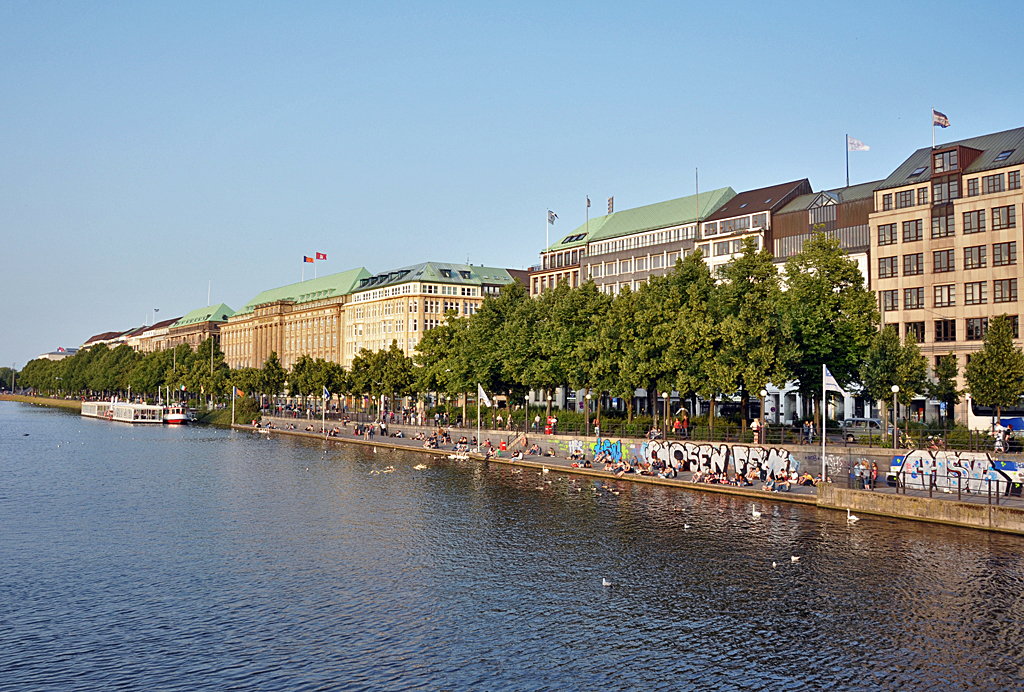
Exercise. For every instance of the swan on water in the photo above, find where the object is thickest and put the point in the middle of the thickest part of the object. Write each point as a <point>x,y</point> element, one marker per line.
<point>754,513</point>
<point>851,518</point>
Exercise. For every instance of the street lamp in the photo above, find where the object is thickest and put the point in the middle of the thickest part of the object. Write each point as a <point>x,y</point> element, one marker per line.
<point>895,391</point>
<point>664,412</point>
<point>586,419</point>
<point>760,431</point>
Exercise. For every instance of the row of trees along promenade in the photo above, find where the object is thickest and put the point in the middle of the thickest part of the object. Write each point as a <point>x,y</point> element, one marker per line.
<point>688,331</point>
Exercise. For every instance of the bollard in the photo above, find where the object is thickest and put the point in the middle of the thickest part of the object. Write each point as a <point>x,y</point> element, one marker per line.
<point>989,490</point>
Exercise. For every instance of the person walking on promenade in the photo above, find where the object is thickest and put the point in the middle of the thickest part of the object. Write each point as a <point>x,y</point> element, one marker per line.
<point>686,424</point>
<point>874,474</point>
<point>755,427</point>
<point>677,427</point>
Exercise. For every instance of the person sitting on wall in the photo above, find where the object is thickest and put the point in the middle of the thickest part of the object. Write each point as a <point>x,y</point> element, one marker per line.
<point>534,450</point>
<point>807,479</point>
<point>783,484</point>
<point>550,452</point>
<point>517,455</point>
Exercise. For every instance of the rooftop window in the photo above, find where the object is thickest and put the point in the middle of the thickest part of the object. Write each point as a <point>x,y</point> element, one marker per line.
<point>1003,155</point>
<point>464,274</point>
<point>918,171</point>
<point>446,273</point>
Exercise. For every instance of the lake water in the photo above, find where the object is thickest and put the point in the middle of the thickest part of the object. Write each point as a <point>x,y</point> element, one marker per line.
<point>200,558</point>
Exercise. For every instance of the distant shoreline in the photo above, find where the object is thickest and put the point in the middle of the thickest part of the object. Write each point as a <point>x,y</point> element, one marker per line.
<point>74,404</point>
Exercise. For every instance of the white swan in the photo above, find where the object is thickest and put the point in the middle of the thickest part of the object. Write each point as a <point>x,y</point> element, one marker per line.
<point>754,513</point>
<point>605,582</point>
<point>794,558</point>
<point>851,518</point>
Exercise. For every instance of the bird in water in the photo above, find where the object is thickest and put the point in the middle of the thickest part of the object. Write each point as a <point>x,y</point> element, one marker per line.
<point>686,526</point>
<point>754,512</point>
<point>605,582</point>
<point>773,564</point>
<point>794,558</point>
<point>851,518</point>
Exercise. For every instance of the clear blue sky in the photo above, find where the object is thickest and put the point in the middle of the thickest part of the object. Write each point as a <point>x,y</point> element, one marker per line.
<point>147,148</point>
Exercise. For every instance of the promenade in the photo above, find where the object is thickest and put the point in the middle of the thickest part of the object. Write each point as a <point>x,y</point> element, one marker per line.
<point>974,510</point>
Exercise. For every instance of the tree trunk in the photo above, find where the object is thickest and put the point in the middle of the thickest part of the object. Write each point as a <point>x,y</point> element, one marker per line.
<point>711,420</point>
<point>744,403</point>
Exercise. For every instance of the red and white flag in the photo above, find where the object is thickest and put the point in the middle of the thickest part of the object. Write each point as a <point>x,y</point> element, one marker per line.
<point>321,256</point>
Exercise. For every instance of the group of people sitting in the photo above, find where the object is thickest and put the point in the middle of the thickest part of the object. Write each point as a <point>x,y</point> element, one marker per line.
<point>770,481</point>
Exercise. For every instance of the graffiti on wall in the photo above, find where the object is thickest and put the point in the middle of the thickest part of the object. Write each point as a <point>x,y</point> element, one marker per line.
<point>950,471</point>
<point>716,458</point>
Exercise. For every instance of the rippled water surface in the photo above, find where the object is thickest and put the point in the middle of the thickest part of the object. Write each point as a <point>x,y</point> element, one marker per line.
<point>198,558</point>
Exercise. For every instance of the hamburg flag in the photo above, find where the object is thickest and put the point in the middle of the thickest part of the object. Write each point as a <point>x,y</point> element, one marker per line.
<point>321,256</point>
<point>307,259</point>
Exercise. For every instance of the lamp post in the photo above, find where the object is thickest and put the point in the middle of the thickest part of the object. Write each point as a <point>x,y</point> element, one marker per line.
<point>526,414</point>
<point>664,413</point>
<point>760,431</point>
<point>895,391</point>
<point>586,423</point>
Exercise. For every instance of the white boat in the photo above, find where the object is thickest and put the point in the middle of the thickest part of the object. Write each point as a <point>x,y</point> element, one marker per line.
<point>96,409</point>
<point>176,415</point>
<point>137,413</point>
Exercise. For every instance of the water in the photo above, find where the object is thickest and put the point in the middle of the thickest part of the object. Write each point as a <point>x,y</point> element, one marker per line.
<point>197,558</point>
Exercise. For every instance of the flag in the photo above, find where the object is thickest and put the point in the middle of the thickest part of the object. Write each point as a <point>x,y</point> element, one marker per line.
<point>307,259</point>
<point>156,309</point>
<point>939,119</point>
<point>830,382</point>
<point>551,217</point>
<point>60,349</point>
<point>327,395</point>
<point>321,256</point>
<point>482,395</point>
<point>855,144</point>
<point>183,388</point>
<point>237,392</point>
<point>588,201</point>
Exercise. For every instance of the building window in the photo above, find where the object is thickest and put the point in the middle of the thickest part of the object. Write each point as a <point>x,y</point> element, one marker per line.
<point>887,202</point>
<point>974,221</point>
<point>945,190</point>
<point>913,264</point>
<point>976,293</point>
<point>913,230</point>
<point>992,183</point>
<point>913,299</point>
<point>944,261</point>
<point>887,234</point>
<point>722,248</point>
<point>1004,254</point>
<point>974,257</point>
<point>641,264</point>
<point>890,301</point>
<point>609,268</point>
<point>946,161</point>
<point>922,196</point>
<point>656,260</point>
<point>945,296</point>
<point>917,329</point>
<point>976,328</point>
<point>1004,291</point>
<point>943,225</point>
<point>945,330</point>
<point>887,267</point>
<point>1013,180</point>
<point>904,199</point>
<point>1004,217</point>
<point>1015,323</point>
<point>972,187</point>
<point>759,221</point>
<point>625,266</point>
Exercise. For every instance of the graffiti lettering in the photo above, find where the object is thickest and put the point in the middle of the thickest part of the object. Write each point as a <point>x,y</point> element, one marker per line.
<point>688,456</point>
<point>948,471</point>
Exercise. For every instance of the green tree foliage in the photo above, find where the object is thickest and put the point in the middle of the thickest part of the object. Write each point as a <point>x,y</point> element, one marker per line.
<point>756,348</point>
<point>995,374</point>
<point>829,315</point>
<point>273,376</point>
<point>943,386</point>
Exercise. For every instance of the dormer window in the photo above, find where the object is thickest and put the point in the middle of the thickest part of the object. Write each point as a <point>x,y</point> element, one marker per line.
<point>464,274</point>
<point>946,161</point>
<point>446,273</point>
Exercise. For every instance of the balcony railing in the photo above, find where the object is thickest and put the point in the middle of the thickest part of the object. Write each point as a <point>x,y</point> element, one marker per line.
<point>850,238</point>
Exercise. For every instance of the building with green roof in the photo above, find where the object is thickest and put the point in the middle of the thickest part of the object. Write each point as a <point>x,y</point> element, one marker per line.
<point>659,232</point>
<point>300,319</point>
<point>198,326</point>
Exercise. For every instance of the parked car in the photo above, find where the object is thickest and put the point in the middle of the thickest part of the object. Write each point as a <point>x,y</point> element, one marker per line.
<point>857,429</point>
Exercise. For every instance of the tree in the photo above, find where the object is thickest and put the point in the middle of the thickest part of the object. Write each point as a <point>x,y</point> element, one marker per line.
<point>273,375</point>
<point>881,361</point>
<point>757,350</point>
<point>943,387</point>
<point>995,374</point>
<point>829,315</point>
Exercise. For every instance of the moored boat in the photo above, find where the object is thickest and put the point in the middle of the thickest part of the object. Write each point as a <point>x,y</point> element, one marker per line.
<point>176,415</point>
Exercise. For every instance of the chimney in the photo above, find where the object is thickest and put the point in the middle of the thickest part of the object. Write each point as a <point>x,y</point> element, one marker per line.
<point>611,205</point>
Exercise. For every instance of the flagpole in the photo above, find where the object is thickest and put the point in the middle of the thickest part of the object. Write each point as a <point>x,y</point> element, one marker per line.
<point>478,390</point>
<point>547,234</point>
<point>933,128</point>
<point>824,427</point>
<point>233,390</point>
<point>848,160</point>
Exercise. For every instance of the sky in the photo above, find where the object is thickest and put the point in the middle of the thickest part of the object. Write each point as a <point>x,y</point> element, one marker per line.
<point>152,152</point>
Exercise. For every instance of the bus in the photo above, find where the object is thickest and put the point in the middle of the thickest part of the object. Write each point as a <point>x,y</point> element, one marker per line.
<point>984,417</point>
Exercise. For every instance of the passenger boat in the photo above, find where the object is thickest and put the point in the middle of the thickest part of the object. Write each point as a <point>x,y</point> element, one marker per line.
<point>137,413</point>
<point>96,409</point>
<point>176,415</point>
